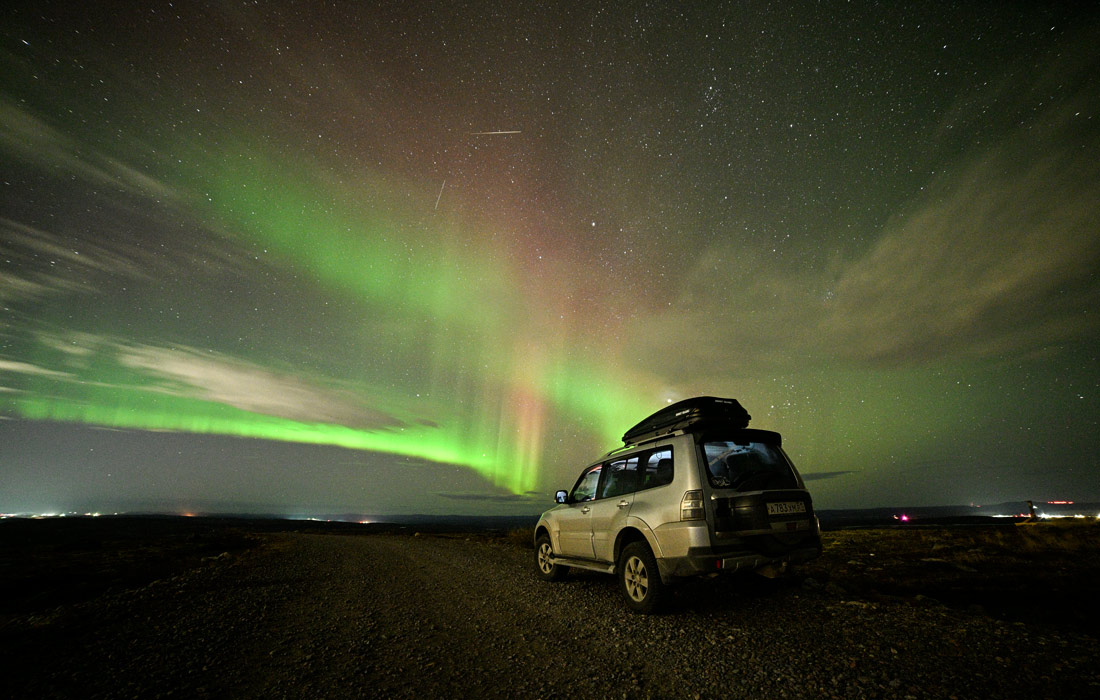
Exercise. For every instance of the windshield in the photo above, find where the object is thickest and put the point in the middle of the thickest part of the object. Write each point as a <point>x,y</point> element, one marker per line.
<point>748,466</point>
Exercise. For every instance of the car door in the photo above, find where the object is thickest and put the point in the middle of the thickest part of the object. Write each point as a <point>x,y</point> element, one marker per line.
<point>574,529</point>
<point>610,509</point>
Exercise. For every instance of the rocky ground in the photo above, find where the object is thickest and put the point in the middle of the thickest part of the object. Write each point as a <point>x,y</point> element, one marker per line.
<point>335,614</point>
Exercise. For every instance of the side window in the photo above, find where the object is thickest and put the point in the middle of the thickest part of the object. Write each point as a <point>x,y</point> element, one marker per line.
<point>585,490</point>
<point>622,477</point>
<point>657,470</point>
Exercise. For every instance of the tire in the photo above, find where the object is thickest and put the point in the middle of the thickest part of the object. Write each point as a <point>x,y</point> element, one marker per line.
<point>640,579</point>
<point>544,567</point>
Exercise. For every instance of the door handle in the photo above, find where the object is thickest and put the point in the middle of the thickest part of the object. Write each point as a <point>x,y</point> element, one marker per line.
<point>585,509</point>
<point>623,503</point>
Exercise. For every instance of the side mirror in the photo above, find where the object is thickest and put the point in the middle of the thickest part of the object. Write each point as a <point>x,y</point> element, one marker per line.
<point>561,496</point>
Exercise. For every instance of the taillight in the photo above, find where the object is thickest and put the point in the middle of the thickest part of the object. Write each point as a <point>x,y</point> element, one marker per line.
<point>691,506</point>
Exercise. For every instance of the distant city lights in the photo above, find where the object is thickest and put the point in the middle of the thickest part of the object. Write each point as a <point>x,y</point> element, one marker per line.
<point>185,514</point>
<point>41,516</point>
<point>1048,516</point>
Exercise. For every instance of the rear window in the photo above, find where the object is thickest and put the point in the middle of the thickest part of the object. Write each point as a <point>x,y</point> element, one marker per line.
<point>747,466</point>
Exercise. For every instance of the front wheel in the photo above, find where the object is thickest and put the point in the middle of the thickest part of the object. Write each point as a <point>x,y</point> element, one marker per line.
<point>545,567</point>
<point>640,579</point>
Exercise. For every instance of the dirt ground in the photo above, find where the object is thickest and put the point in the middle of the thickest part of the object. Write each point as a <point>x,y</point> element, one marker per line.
<point>1041,574</point>
<point>122,608</point>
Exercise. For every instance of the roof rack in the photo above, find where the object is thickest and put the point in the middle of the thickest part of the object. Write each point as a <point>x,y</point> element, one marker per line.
<point>699,412</point>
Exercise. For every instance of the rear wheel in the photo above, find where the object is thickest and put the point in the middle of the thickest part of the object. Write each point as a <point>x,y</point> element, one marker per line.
<point>639,578</point>
<point>544,562</point>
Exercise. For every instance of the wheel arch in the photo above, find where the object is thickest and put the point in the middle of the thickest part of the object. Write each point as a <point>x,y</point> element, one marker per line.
<point>542,529</point>
<point>629,534</point>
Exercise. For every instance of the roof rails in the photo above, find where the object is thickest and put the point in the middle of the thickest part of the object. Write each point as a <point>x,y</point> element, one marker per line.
<point>699,412</point>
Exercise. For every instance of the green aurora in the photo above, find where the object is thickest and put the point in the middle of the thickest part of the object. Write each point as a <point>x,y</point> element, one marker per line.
<point>357,253</point>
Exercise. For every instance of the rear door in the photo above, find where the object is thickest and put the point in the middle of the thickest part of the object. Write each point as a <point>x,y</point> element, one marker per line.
<point>608,512</point>
<point>653,504</point>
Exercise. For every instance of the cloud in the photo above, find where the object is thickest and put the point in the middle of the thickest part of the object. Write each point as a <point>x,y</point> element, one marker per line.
<point>50,264</point>
<point>91,360</point>
<point>76,345</point>
<point>35,141</point>
<point>14,287</point>
<point>208,376</point>
<point>997,257</point>
<point>26,368</point>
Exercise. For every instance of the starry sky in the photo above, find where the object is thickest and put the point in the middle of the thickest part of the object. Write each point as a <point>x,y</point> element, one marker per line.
<point>318,257</point>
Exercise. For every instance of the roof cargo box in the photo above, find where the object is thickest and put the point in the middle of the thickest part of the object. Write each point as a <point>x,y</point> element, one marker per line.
<point>699,412</point>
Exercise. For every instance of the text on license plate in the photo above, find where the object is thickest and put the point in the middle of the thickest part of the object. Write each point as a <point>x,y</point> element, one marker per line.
<point>786,507</point>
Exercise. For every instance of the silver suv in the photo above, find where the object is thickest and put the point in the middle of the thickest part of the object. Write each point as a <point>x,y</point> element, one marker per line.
<point>694,491</point>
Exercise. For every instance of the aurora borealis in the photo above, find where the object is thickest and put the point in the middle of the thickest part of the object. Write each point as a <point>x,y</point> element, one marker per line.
<point>434,257</point>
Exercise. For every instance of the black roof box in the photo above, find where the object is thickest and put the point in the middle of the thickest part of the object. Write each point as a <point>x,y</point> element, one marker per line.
<point>699,412</point>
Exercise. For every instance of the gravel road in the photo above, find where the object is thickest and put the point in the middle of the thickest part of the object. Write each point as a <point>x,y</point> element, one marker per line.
<point>401,616</point>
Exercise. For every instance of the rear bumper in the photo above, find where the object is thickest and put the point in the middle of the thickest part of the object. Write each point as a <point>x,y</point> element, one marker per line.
<point>717,560</point>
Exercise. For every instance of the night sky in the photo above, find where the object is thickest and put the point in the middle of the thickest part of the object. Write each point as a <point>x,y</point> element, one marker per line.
<point>319,257</point>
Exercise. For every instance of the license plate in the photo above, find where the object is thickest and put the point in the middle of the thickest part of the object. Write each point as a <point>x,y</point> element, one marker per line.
<point>786,507</point>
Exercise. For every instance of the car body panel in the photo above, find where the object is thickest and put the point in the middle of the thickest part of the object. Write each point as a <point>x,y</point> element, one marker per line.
<point>608,517</point>
<point>574,530</point>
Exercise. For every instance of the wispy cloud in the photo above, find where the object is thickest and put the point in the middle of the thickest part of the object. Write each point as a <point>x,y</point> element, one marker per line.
<point>996,257</point>
<point>193,373</point>
<point>50,264</point>
<point>188,373</point>
<point>34,140</point>
<point>26,368</point>
<point>14,287</point>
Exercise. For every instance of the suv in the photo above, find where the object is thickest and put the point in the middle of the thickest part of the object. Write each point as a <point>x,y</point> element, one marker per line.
<point>693,491</point>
